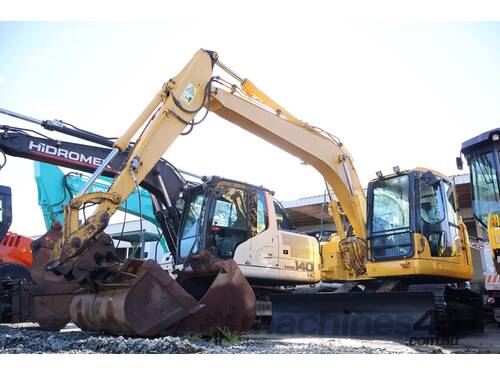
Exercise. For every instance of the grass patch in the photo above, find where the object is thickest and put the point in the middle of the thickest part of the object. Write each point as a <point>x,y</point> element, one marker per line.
<point>191,336</point>
<point>227,337</point>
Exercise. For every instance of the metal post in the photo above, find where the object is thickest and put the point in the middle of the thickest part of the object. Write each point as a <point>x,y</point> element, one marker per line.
<point>143,244</point>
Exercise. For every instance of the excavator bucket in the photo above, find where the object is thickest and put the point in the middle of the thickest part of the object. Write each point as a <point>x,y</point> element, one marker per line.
<point>136,298</point>
<point>211,296</point>
<point>147,305</point>
<point>51,295</point>
<point>220,286</point>
<point>41,249</point>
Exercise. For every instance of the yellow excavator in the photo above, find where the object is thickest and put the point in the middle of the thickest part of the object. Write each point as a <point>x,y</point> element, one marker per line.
<point>401,253</point>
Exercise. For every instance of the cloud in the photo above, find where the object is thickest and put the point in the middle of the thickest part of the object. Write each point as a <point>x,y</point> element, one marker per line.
<point>36,59</point>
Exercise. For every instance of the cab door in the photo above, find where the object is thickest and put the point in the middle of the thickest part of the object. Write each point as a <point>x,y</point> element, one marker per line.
<point>228,229</point>
<point>264,243</point>
<point>439,220</point>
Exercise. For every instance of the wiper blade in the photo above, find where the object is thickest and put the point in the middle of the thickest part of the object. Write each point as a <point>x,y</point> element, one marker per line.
<point>484,163</point>
<point>480,221</point>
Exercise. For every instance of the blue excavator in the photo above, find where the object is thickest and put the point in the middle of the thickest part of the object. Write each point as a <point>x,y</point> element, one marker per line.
<point>56,188</point>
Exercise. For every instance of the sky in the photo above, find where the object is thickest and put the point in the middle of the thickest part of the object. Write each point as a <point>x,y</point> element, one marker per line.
<point>395,93</point>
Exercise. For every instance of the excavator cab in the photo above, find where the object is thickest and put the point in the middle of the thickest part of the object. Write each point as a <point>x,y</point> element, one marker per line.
<point>415,262</point>
<point>219,217</point>
<point>483,158</point>
<point>413,229</point>
<point>243,222</point>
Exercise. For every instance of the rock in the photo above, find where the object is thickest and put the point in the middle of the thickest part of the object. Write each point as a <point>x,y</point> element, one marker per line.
<point>121,348</point>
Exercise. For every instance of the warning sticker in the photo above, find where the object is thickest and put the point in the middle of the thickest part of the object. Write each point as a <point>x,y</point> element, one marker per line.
<point>189,93</point>
<point>492,281</point>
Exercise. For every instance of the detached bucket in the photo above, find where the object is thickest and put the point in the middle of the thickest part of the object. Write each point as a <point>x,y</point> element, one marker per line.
<point>202,300</point>
<point>227,298</point>
<point>152,303</point>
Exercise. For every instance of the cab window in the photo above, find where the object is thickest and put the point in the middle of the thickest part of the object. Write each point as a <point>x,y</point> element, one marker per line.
<point>431,203</point>
<point>230,209</point>
<point>193,221</point>
<point>282,219</point>
<point>391,204</point>
<point>484,186</point>
<point>452,219</point>
<point>450,204</point>
<point>230,224</point>
<point>262,214</point>
<point>437,211</point>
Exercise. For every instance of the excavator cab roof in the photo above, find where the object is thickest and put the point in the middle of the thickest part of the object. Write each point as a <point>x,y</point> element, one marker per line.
<point>417,170</point>
<point>213,180</point>
<point>480,140</point>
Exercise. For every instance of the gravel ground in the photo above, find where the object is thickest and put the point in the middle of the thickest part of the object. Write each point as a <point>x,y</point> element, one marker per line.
<point>30,339</point>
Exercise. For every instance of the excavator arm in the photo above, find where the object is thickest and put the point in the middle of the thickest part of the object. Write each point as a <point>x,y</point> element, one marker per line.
<point>168,115</point>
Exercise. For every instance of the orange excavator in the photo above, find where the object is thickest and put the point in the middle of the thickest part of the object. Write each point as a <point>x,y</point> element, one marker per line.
<point>15,255</point>
<point>15,250</point>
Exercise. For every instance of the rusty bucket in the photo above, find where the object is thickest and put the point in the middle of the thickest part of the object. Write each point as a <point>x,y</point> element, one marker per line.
<point>227,298</point>
<point>49,296</point>
<point>146,301</point>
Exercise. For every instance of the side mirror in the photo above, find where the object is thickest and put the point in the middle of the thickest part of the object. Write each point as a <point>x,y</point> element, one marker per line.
<point>460,163</point>
<point>430,178</point>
